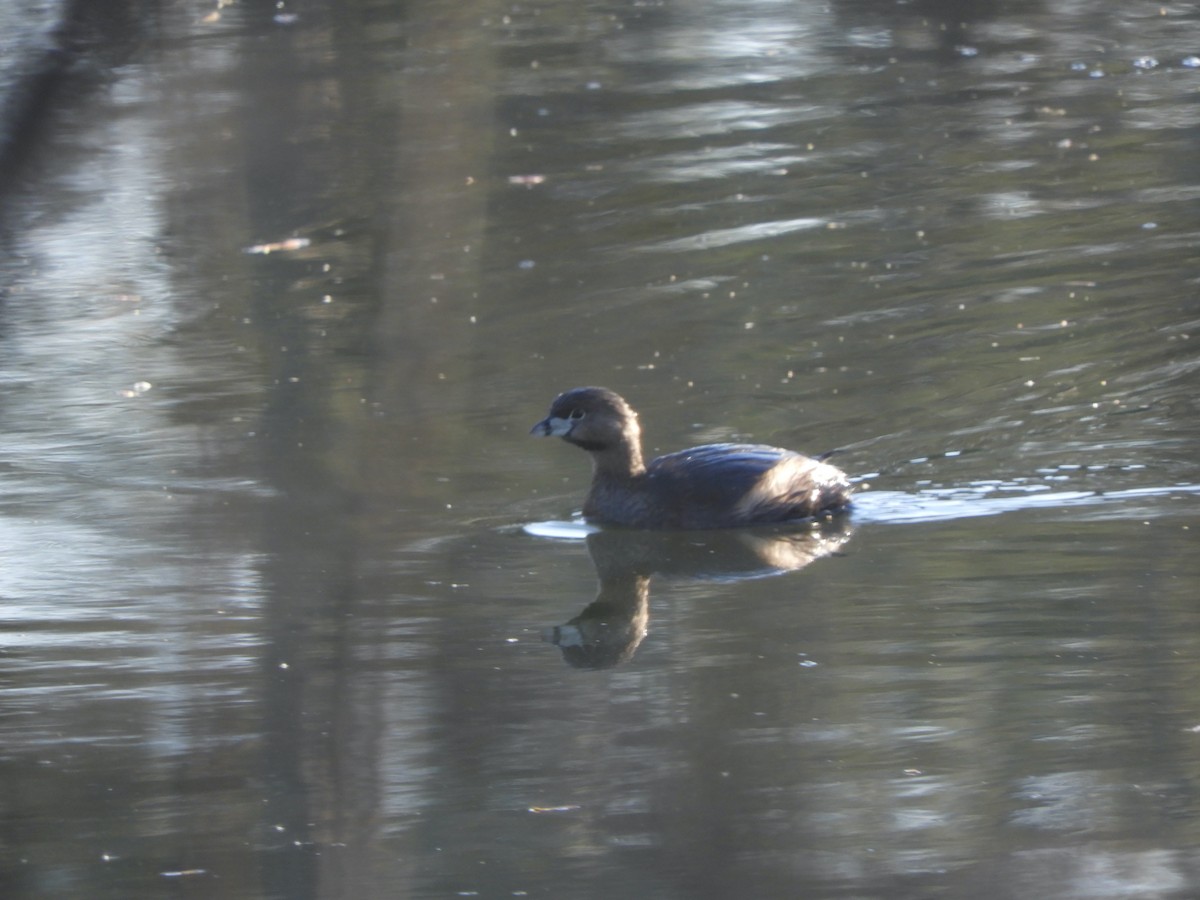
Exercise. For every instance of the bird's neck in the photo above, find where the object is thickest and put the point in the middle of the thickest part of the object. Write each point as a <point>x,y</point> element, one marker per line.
<point>620,461</point>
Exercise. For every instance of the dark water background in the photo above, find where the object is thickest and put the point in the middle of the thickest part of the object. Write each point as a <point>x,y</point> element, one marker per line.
<point>283,287</point>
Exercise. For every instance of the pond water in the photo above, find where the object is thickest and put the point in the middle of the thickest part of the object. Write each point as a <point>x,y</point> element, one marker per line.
<point>291,605</point>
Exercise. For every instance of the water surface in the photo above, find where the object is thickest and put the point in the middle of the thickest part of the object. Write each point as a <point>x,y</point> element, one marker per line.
<point>293,607</point>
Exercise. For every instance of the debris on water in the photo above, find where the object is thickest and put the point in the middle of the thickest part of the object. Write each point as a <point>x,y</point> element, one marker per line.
<point>297,243</point>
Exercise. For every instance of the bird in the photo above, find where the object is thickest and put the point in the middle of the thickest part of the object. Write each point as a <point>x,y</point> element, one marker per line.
<point>706,487</point>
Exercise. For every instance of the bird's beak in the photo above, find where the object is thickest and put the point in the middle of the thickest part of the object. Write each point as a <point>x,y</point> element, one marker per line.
<point>552,426</point>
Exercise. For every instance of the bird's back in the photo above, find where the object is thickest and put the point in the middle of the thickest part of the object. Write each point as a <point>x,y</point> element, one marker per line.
<point>730,485</point>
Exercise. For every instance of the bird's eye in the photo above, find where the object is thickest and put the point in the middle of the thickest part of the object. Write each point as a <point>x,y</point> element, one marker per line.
<point>575,415</point>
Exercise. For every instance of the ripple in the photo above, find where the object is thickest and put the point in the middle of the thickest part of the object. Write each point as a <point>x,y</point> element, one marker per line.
<point>940,505</point>
<point>560,531</point>
<point>723,237</point>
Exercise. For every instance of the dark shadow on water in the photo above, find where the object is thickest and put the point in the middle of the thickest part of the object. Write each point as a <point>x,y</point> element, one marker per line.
<point>89,40</point>
<point>609,630</point>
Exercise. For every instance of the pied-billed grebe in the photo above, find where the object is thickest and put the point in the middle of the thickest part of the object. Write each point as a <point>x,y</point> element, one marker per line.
<point>713,486</point>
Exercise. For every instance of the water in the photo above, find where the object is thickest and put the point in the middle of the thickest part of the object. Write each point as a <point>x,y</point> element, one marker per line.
<point>293,607</point>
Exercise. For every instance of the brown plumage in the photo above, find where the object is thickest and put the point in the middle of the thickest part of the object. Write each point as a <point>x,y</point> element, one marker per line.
<point>712,486</point>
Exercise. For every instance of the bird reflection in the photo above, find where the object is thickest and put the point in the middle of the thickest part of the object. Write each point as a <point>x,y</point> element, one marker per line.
<point>609,629</point>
